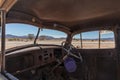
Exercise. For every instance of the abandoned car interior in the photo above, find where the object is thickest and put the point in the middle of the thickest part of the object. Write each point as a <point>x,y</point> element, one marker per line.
<point>87,49</point>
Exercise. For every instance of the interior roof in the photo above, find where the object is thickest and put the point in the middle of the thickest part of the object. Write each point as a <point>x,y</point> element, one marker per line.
<point>66,15</point>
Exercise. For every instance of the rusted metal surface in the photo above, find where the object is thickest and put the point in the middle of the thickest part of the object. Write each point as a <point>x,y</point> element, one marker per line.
<point>7,4</point>
<point>99,39</point>
<point>73,15</point>
<point>3,21</point>
<point>81,40</point>
<point>117,40</point>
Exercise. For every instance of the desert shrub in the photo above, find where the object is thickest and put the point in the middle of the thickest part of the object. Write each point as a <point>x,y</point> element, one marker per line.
<point>10,39</point>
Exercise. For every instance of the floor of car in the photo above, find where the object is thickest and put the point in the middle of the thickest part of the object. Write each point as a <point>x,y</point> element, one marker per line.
<point>45,73</point>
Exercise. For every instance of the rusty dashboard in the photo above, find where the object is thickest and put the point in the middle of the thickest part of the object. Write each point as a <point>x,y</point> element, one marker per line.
<point>32,57</point>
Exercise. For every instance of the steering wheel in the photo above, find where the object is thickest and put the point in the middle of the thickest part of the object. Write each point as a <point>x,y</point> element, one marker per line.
<point>71,51</point>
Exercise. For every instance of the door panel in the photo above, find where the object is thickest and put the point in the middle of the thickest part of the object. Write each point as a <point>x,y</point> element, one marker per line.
<point>101,63</point>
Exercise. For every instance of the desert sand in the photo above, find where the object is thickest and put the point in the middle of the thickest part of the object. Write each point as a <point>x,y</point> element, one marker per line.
<point>85,44</point>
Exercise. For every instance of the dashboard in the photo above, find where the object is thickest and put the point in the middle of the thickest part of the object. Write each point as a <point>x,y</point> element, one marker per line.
<point>29,58</point>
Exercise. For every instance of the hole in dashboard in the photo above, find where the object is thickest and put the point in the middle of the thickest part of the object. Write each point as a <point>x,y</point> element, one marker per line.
<point>40,57</point>
<point>58,53</point>
<point>50,54</point>
<point>46,58</point>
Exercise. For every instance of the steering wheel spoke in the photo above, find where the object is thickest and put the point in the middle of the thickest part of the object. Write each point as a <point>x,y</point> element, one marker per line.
<point>71,50</point>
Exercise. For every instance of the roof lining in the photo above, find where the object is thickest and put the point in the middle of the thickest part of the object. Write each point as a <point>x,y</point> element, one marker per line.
<point>38,22</point>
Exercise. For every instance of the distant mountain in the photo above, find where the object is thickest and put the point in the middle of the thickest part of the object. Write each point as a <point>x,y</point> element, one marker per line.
<point>22,36</point>
<point>109,39</point>
<point>44,37</point>
<point>40,37</point>
<point>11,36</point>
<point>14,36</point>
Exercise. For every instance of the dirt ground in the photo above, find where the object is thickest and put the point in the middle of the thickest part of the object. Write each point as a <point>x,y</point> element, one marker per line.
<point>85,44</point>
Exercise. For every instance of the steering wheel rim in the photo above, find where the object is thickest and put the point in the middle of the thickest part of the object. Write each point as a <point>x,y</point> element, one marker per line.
<point>69,51</point>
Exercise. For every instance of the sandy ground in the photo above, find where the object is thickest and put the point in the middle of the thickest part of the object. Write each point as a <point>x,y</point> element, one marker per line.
<point>86,44</point>
<point>94,44</point>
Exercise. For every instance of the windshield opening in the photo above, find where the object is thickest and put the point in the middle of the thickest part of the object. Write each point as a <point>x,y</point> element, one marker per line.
<point>24,34</point>
<point>49,36</point>
<point>100,39</point>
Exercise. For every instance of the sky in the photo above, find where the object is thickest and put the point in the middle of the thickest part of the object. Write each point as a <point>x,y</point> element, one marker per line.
<point>94,35</point>
<point>25,29</point>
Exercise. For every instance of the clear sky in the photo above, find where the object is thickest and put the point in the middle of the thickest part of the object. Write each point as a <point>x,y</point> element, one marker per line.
<point>94,35</point>
<point>24,30</point>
